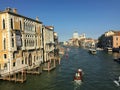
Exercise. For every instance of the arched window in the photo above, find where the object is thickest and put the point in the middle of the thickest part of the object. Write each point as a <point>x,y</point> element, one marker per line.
<point>33,42</point>
<point>35,28</point>
<point>4,43</point>
<point>22,61</point>
<point>12,42</point>
<point>25,60</point>
<point>3,23</point>
<point>37,57</point>
<point>12,34</point>
<point>36,42</point>
<point>24,25</point>
<point>30,60</point>
<point>29,43</point>
<point>20,25</point>
<point>34,58</point>
<point>25,43</point>
<point>11,21</point>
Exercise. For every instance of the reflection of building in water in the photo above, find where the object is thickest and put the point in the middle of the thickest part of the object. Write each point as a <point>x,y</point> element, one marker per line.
<point>116,55</point>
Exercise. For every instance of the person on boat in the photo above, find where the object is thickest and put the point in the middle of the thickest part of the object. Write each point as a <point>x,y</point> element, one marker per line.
<point>80,72</point>
<point>119,79</point>
<point>66,55</point>
<point>75,77</point>
<point>79,76</point>
<point>76,74</point>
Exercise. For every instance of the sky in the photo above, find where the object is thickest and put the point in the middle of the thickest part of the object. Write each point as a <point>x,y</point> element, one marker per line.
<point>92,17</point>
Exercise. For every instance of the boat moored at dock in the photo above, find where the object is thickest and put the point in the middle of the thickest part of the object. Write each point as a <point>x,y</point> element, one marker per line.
<point>108,49</point>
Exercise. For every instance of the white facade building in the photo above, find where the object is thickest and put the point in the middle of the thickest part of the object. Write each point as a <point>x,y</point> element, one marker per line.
<point>48,34</point>
<point>75,35</point>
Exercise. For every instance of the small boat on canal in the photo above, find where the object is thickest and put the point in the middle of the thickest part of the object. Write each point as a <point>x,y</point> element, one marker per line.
<point>93,51</point>
<point>117,81</point>
<point>78,76</point>
<point>66,55</point>
<point>108,49</point>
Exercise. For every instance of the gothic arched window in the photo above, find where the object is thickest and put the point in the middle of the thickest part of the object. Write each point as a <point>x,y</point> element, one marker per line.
<point>12,42</point>
<point>3,23</point>
<point>11,21</point>
<point>20,25</point>
<point>4,43</point>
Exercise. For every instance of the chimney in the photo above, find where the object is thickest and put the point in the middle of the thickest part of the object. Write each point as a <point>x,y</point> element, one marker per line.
<point>8,9</point>
<point>14,10</point>
<point>37,18</point>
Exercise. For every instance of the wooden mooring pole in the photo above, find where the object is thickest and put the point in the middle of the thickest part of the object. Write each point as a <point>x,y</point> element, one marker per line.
<point>19,76</point>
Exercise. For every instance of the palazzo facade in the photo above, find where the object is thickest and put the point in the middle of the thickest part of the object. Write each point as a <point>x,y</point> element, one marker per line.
<point>21,42</point>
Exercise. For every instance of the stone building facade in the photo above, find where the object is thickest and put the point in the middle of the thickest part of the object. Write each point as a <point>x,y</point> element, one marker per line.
<point>110,39</point>
<point>48,34</point>
<point>20,42</point>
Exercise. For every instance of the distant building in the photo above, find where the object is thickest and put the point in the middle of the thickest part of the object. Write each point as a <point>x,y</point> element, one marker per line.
<point>88,42</point>
<point>48,34</point>
<point>75,35</point>
<point>82,36</point>
<point>75,39</point>
<point>110,39</point>
<point>116,40</point>
<point>81,40</point>
<point>65,43</point>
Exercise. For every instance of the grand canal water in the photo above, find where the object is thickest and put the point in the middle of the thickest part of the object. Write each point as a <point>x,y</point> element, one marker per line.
<point>99,72</point>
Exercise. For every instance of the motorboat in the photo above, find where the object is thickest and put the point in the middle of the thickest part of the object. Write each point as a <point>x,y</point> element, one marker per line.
<point>117,81</point>
<point>66,55</point>
<point>78,76</point>
<point>108,49</point>
<point>92,51</point>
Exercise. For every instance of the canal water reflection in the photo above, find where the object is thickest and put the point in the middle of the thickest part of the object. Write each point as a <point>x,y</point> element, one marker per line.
<point>99,72</point>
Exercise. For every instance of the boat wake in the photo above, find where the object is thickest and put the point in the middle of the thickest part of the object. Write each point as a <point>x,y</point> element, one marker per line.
<point>76,84</point>
<point>117,81</point>
<point>78,78</point>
